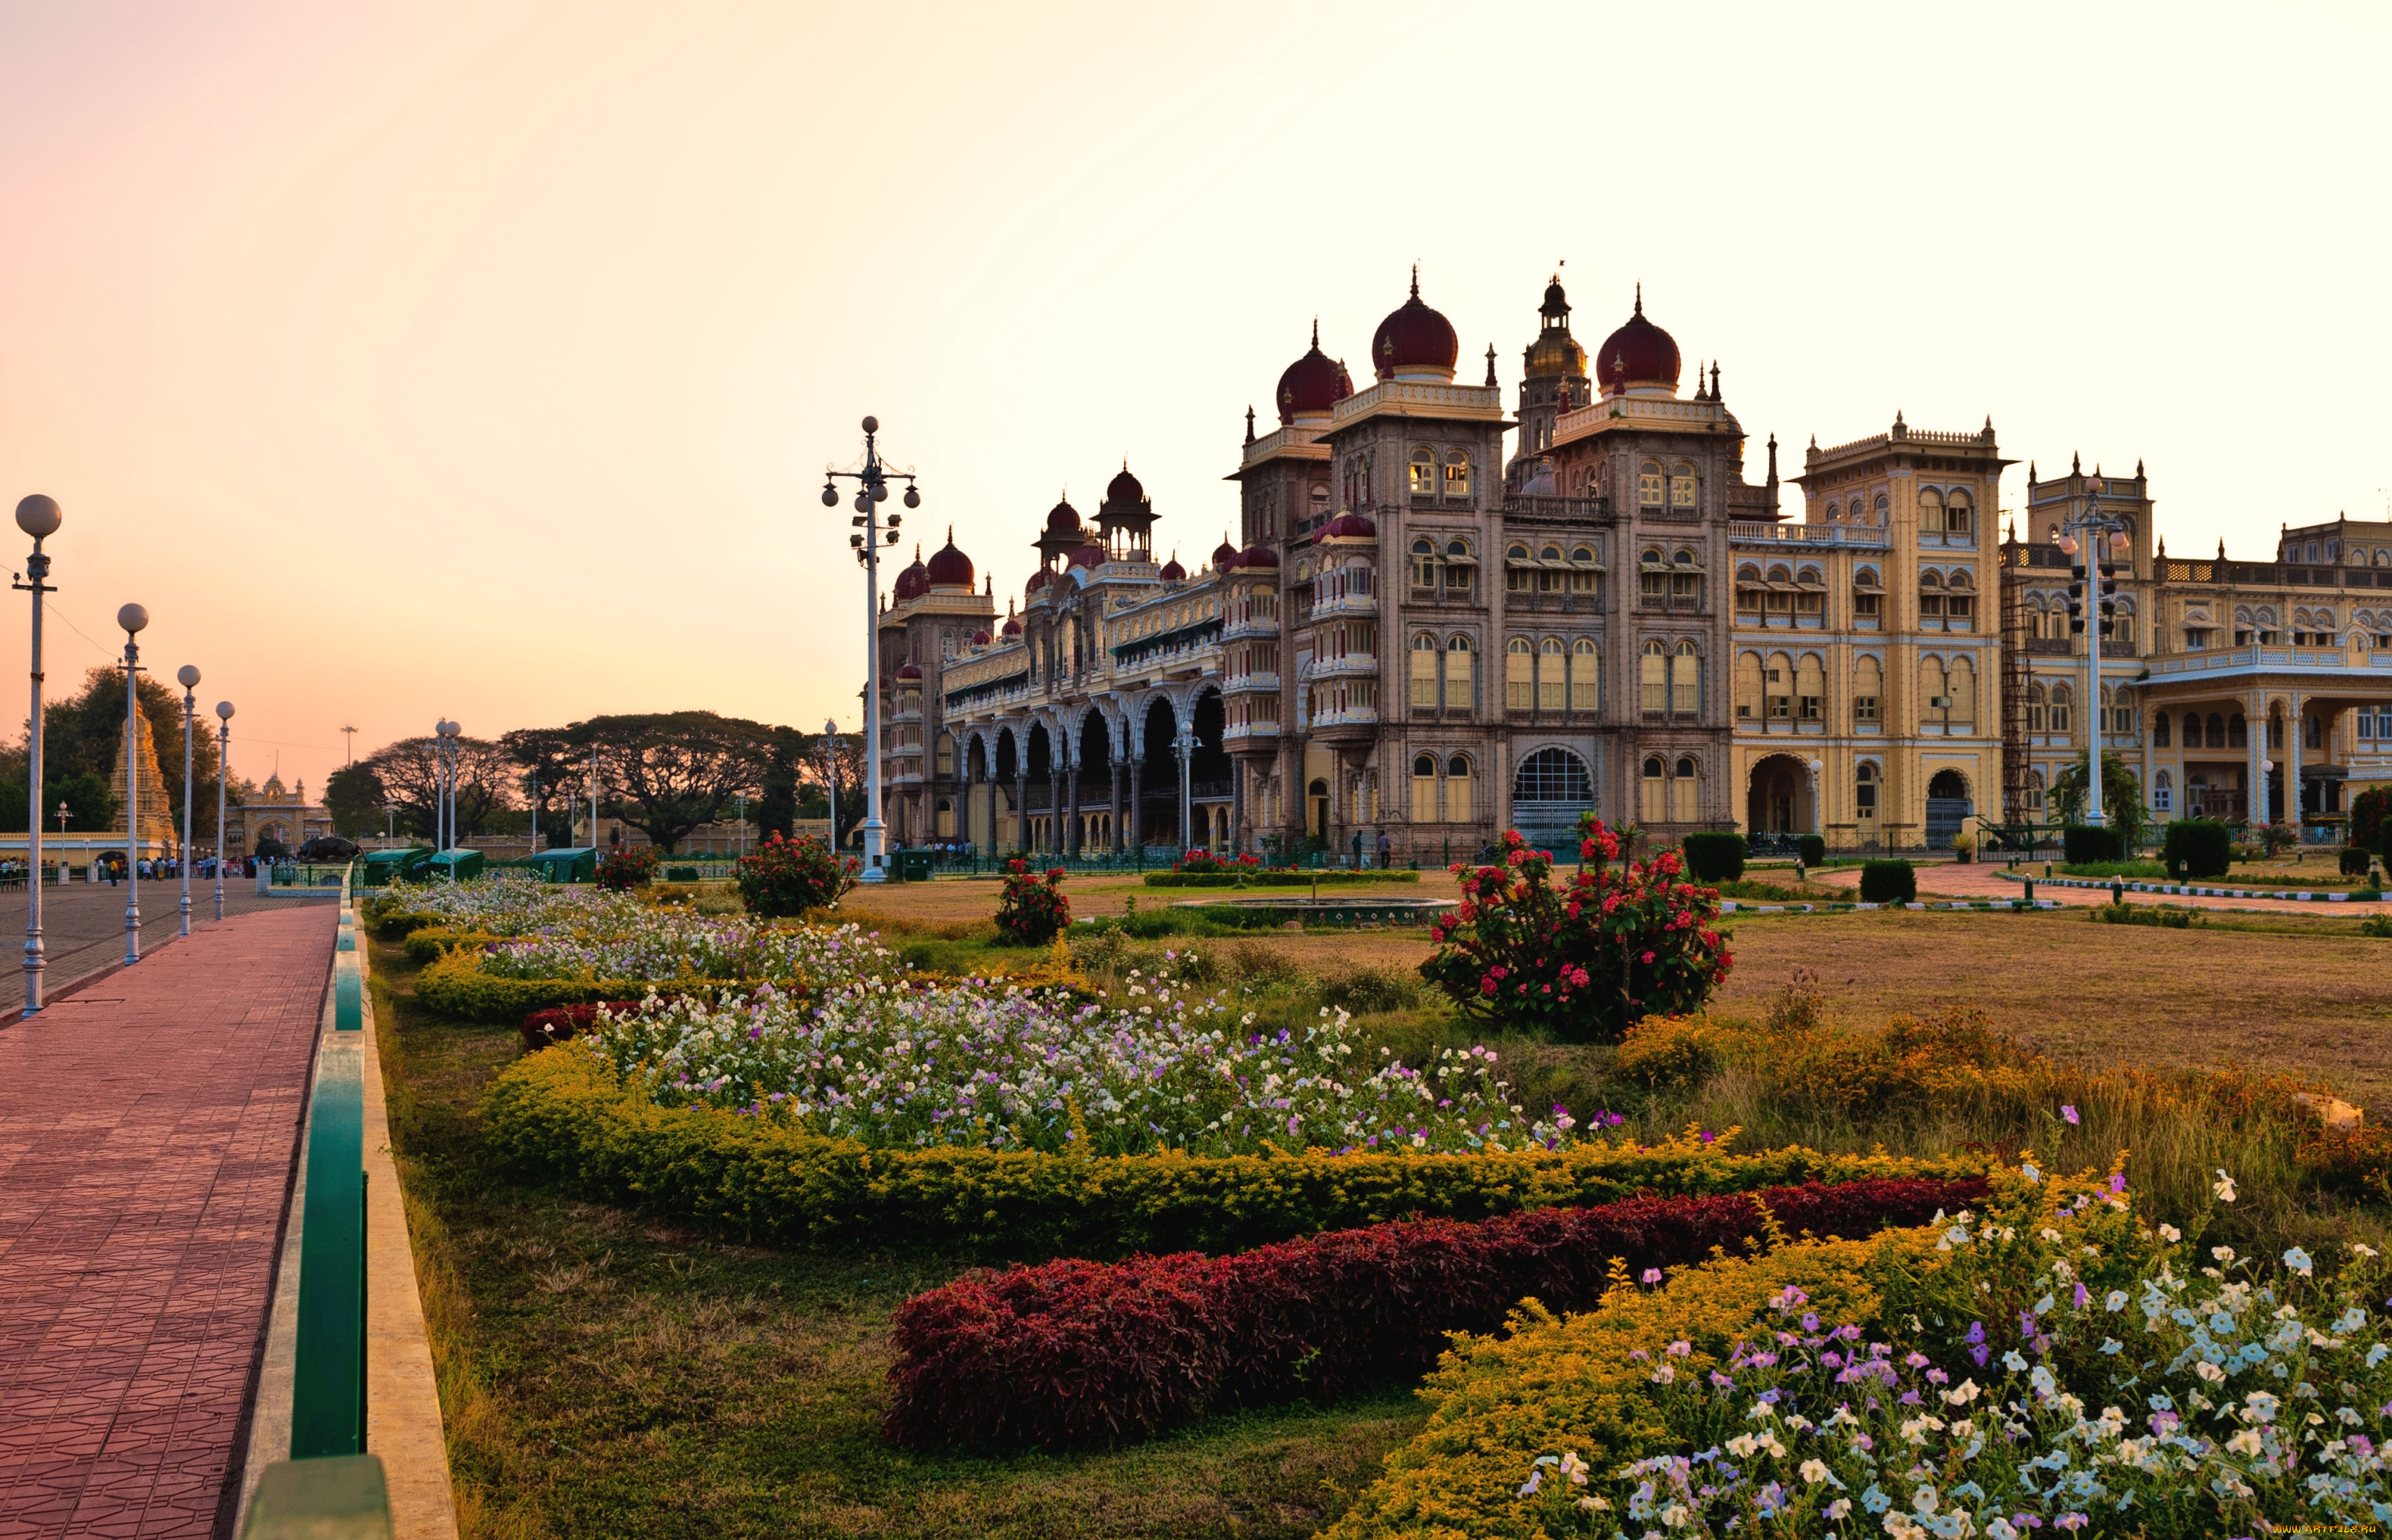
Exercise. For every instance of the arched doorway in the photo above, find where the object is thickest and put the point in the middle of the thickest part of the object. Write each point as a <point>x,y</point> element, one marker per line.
<point>1156,818</point>
<point>1948,806</point>
<point>1317,796</point>
<point>1548,790</point>
<point>1778,801</point>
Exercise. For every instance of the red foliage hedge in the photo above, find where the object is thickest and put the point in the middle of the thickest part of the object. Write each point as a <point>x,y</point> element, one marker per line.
<point>1074,1353</point>
<point>560,1022</point>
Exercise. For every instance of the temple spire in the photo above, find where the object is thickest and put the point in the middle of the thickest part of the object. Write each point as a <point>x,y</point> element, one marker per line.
<point>1415,280</point>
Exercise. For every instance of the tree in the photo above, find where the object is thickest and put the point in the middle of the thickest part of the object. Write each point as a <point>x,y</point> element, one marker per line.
<point>665,773</point>
<point>2121,798</point>
<point>355,797</point>
<point>83,735</point>
<point>409,774</point>
<point>550,758</point>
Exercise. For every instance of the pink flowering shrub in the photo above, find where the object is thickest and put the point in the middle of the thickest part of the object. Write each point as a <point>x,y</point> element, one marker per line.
<point>1587,957</point>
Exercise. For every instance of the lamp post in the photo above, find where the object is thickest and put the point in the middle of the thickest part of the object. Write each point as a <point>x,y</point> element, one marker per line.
<point>224,773</point>
<point>132,617</point>
<point>37,516</point>
<point>871,491</point>
<point>189,678</point>
<point>830,778</point>
<point>2110,530</point>
<point>444,788</point>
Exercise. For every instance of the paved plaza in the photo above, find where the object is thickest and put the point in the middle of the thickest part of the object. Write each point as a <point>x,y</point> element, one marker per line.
<point>149,1125</point>
<point>83,926</point>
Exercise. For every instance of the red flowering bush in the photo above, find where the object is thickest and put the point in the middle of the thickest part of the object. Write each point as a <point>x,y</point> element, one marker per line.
<point>1032,910</point>
<point>560,1023</point>
<point>1588,957</point>
<point>1205,861</point>
<point>627,867</point>
<point>789,876</point>
<point>1072,1354</point>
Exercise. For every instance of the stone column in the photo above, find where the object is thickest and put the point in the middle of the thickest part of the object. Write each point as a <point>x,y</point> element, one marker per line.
<point>2293,763</point>
<point>1186,745</point>
<point>1238,770</point>
<point>1136,835</point>
<point>1021,806</point>
<point>1067,833</point>
<point>2255,737</point>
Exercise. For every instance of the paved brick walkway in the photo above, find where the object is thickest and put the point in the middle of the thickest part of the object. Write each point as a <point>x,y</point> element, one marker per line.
<point>148,1128</point>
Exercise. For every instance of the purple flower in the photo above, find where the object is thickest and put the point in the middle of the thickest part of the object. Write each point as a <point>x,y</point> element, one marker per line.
<point>2070,1113</point>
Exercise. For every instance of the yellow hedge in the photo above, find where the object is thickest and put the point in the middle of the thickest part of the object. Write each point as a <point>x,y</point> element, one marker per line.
<point>454,984</point>
<point>562,1114</point>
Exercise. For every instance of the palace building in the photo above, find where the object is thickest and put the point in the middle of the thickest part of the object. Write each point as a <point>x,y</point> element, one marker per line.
<point>1441,617</point>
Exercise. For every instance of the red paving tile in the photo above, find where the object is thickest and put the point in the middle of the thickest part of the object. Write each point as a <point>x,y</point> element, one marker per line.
<point>146,1149</point>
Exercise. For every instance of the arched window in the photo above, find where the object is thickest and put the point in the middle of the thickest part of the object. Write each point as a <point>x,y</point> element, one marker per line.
<point>2162,791</point>
<point>1810,689</point>
<point>1748,689</point>
<point>1585,680</point>
<point>1425,652</point>
<point>1682,488</point>
<point>2160,738</point>
<point>2035,790</point>
<point>946,754</point>
<point>1519,674</point>
<point>1835,511</point>
<point>1930,511</point>
<point>1549,570</point>
<point>1934,692</point>
<point>1515,569</point>
<point>1457,474</point>
<point>1459,694</point>
<point>1865,786</point>
<point>1884,514</point>
<point>1868,597</point>
<point>1959,600</point>
<point>1424,788</point>
<point>1961,680</point>
<point>1457,789</point>
<point>1653,680</point>
<point>1424,474</point>
<point>1685,789</point>
<point>1960,517</point>
<point>1930,595</point>
<point>1777,689</point>
<point>1648,486</point>
<point>1652,802</point>
<point>2063,708</point>
<point>1687,680</point>
<point>1553,688</point>
<point>1581,573</point>
<point>1423,563</point>
<point>1867,693</point>
<point>2218,735</point>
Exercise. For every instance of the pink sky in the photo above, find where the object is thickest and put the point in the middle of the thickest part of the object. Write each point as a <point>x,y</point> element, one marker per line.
<point>483,360</point>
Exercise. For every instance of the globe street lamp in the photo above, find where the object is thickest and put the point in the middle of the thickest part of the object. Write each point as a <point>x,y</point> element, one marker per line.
<point>2106,530</point>
<point>188,676</point>
<point>37,516</point>
<point>831,780</point>
<point>132,618</point>
<point>224,773</point>
<point>871,491</point>
<point>444,788</point>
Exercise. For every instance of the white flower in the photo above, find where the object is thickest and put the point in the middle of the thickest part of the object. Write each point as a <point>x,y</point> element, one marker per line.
<point>1962,1394</point>
<point>1676,1516</point>
<point>2210,1371</point>
<point>2223,1253</point>
<point>2360,1248</point>
<point>1574,1468</point>
<point>1814,1472</point>
<point>2170,1233</point>
<point>2114,1301</point>
<point>2225,1187</point>
<point>2245,1442</point>
<point>1665,1375</point>
<point>1840,1506</point>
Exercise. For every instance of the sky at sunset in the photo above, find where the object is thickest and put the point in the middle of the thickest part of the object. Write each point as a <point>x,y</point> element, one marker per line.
<point>483,360</point>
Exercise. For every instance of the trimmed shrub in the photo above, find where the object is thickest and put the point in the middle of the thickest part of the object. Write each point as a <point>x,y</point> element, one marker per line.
<point>681,873</point>
<point>632,866</point>
<point>2198,847</point>
<point>1810,849</point>
<point>1076,1353</point>
<point>424,943</point>
<point>1585,958</point>
<point>2084,844</point>
<point>1032,910</point>
<point>2371,818</point>
<point>1714,857</point>
<point>567,1117</point>
<point>1888,882</point>
<point>2355,859</point>
<point>787,877</point>
<point>454,985</point>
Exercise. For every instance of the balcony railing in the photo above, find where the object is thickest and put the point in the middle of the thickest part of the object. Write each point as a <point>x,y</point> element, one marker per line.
<point>1242,732</point>
<point>1258,681</point>
<point>1809,534</point>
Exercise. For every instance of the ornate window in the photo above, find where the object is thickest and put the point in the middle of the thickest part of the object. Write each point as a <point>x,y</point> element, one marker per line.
<point>2063,708</point>
<point>2160,730</point>
<point>1581,573</point>
<point>1648,486</point>
<point>2238,731</point>
<point>1930,511</point>
<point>1748,689</point>
<point>1961,680</point>
<point>1747,595</point>
<point>1423,671</point>
<point>2162,791</point>
<point>1777,687</point>
<point>1687,680</point>
<point>1461,572</point>
<point>1551,688</point>
<point>1884,514</point>
<point>1930,595</point>
<point>1959,601</point>
<point>1867,690</point>
<point>1423,563</point>
<point>1458,691</point>
<point>1549,570</point>
<point>1810,689</point>
<point>1959,516</point>
<point>1652,803</point>
<point>1457,789</point>
<point>1869,595</point>
<point>1424,788</point>
<point>1424,474</point>
<point>1585,682</point>
<point>1519,674</point>
<point>1457,474</point>
<point>1682,488</point>
<point>1865,792</point>
<point>1516,569</point>
<point>1653,680</point>
<point>1685,788</point>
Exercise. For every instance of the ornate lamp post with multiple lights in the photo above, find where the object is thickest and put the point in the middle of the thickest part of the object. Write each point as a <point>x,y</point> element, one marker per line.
<point>132,618</point>
<point>2103,530</point>
<point>872,490</point>
<point>446,789</point>
<point>37,516</point>
<point>224,772</point>
<point>189,677</point>
<point>830,778</point>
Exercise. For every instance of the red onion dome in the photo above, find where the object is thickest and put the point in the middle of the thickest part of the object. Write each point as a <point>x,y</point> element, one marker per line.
<point>1414,339</point>
<point>981,638</point>
<point>1063,519</point>
<point>1013,625</point>
<point>910,671</point>
<point>1124,489</point>
<point>1312,384</point>
<point>950,568</point>
<point>1351,527</point>
<point>1225,556</point>
<point>1173,572</point>
<point>1089,556</point>
<point>1259,556</point>
<point>1038,579</point>
<point>1638,354</point>
<point>915,581</point>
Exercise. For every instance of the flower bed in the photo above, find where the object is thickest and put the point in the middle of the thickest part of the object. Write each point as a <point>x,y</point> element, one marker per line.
<point>1271,877</point>
<point>1074,1353</point>
<point>1004,1067</point>
<point>2050,1364</point>
<point>502,905</point>
<point>565,1114</point>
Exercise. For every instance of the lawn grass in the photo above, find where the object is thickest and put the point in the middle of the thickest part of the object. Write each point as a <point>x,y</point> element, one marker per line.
<point>603,1374</point>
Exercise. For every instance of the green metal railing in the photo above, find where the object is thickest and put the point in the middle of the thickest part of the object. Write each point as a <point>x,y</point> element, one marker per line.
<point>330,1486</point>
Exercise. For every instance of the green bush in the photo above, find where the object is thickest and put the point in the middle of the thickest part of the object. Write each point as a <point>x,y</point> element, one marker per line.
<point>2368,822</point>
<point>786,877</point>
<point>681,873</point>
<point>562,1115</point>
<point>2133,870</point>
<point>1888,882</point>
<point>2085,844</point>
<point>2142,914</point>
<point>1714,857</point>
<point>2198,847</point>
<point>1810,849</point>
<point>2356,860</point>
